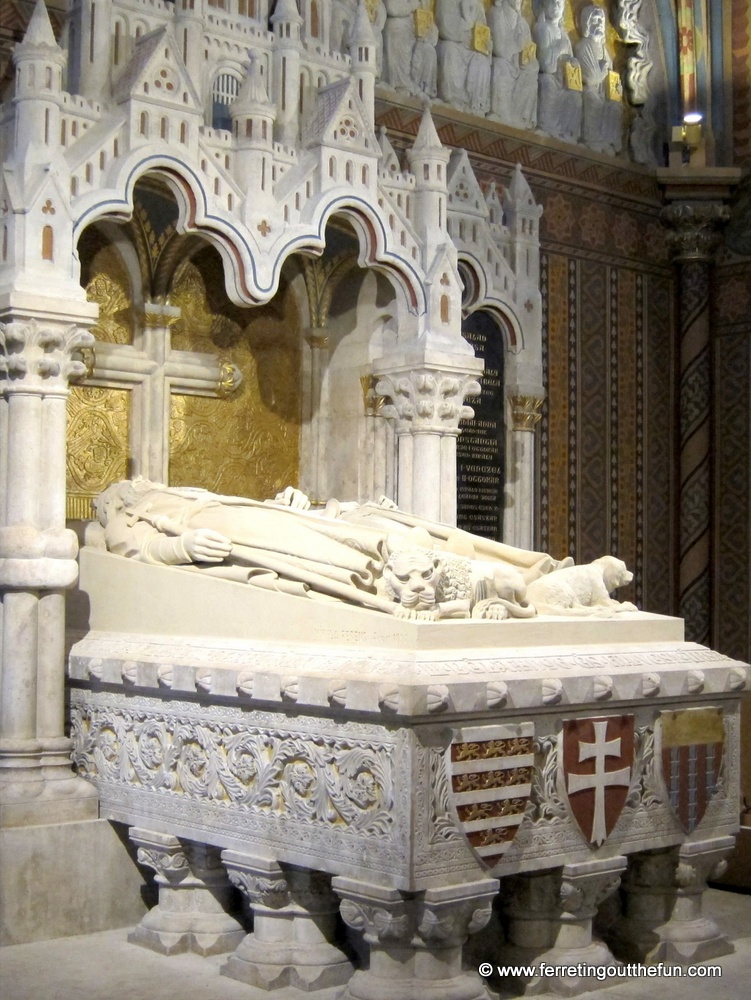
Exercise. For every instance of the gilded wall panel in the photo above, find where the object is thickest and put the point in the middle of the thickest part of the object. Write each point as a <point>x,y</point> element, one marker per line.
<point>99,418</point>
<point>107,283</point>
<point>98,434</point>
<point>247,444</point>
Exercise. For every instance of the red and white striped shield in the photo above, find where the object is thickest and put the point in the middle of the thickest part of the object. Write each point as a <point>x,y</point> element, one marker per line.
<point>692,743</point>
<point>490,776</point>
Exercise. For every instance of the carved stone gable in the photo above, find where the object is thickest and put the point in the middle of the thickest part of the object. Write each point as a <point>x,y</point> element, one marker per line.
<point>156,72</point>
<point>339,120</point>
<point>465,194</point>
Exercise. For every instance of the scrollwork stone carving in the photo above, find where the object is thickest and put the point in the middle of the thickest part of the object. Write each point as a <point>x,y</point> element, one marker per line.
<point>329,782</point>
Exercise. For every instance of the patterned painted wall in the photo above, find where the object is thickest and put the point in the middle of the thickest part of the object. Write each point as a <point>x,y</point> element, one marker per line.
<point>741,80</point>
<point>606,438</point>
<point>732,324</point>
<point>607,423</point>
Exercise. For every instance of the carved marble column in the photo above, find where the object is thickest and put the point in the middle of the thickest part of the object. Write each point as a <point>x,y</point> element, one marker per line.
<point>426,403</point>
<point>415,940</point>
<point>694,234</point>
<point>550,920</point>
<point>377,446</point>
<point>519,516</point>
<point>37,562</point>
<point>315,477</point>
<point>663,920</point>
<point>194,897</point>
<point>294,924</point>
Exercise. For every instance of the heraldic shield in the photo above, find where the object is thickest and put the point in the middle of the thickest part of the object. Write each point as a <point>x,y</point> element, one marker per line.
<point>692,744</point>
<point>598,756</point>
<point>490,778</point>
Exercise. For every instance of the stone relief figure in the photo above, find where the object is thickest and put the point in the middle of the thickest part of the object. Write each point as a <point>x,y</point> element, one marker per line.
<point>560,83</point>
<point>464,55</point>
<point>398,41</point>
<point>514,77</point>
<point>424,64</point>
<point>372,555</point>
<point>342,19</point>
<point>377,14</point>
<point>602,107</point>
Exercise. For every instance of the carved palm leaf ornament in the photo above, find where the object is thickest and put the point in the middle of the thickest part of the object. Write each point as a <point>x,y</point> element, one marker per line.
<point>691,750</point>
<point>490,778</point>
<point>597,763</point>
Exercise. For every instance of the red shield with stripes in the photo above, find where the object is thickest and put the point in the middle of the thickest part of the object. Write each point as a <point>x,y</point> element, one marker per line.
<point>692,744</point>
<point>490,775</point>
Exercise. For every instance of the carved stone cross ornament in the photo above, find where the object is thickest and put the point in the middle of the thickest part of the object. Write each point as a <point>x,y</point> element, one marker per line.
<point>597,760</point>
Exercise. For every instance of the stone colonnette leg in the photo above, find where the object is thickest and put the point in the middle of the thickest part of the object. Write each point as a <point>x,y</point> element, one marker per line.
<point>294,924</point>
<point>415,940</point>
<point>663,919</point>
<point>550,921</point>
<point>194,894</point>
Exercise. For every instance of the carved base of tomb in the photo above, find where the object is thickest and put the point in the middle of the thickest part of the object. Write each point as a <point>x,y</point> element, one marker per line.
<point>415,940</point>
<point>662,916</point>
<point>550,922</point>
<point>403,767</point>
<point>194,897</point>
<point>294,924</point>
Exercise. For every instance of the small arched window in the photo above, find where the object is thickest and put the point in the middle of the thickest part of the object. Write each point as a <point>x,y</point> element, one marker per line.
<point>223,93</point>
<point>48,243</point>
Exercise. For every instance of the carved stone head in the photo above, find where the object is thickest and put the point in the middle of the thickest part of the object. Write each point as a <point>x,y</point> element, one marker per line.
<point>119,497</point>
<point>593,21</point>
<point>412,576</point>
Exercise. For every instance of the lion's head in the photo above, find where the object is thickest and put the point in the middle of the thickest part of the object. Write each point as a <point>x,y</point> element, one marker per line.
<point>412,577</point>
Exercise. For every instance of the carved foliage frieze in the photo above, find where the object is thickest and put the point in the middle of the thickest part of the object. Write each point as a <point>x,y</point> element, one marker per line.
<point>332,782</point>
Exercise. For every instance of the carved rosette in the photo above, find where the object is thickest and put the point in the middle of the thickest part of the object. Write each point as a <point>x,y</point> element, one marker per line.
<point>525,411</point>
<point>427,400</point>
<point>41,359</point>
<point>694,229</point>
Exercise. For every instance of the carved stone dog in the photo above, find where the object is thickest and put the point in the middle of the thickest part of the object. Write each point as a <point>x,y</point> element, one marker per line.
<point>582,590</point>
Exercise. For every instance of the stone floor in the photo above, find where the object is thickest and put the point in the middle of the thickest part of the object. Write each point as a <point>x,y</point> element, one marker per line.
<point>105,967</point>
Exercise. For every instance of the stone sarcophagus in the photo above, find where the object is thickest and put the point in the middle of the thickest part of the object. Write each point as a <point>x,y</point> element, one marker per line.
<point>393,771</point>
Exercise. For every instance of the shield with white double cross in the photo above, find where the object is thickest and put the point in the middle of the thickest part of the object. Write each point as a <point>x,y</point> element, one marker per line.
<point>596,762</point>
<point>691,744</point>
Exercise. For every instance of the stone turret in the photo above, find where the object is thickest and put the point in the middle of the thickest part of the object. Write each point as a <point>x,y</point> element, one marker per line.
<point>91,50</point>
<point>189,15</point>
<point>428,161</point>
<point>253,117</point>
<point>39,63</point>
<point>363,53</point>
<point>286,22</point>
<point>522,216</point>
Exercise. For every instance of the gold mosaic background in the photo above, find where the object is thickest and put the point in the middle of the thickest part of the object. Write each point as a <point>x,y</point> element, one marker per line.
<point>246,445</point>
<point>99,418</point>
